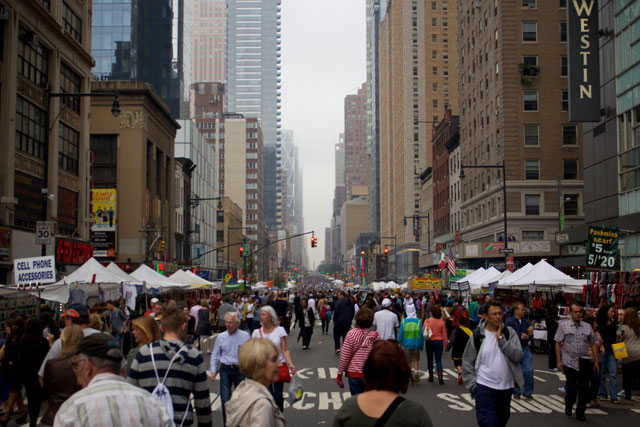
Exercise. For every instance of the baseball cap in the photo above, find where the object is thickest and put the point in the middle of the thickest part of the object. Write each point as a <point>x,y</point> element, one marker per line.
<point>154,300</point>
<point>100,345</point>
<point>76,310</point>
<point>386,302</point>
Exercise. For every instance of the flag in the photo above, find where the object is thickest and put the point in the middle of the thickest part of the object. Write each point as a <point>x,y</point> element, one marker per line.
<point>451,264</point>
<point>442,264</point>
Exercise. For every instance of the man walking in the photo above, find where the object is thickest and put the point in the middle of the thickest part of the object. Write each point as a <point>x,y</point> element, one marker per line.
<point>573,339</point>
<point>386,321</point>
<point>491,368</point>
<point>182,368</point>
<point>106,397</point>
<point>342,317</point>
<point>224,358</point>
<point>524,331</point>
<point>225,308</point>
<point>119,320</point>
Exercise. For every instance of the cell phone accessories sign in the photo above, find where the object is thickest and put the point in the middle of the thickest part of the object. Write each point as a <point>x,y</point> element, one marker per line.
<point>602,248</point>
<point>35,270</point>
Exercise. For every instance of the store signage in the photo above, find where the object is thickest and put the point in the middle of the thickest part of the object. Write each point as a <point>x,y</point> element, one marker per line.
<point>422,283</point>
<point>583,61</point>
<point>69,252</point>
<point>5,243</point>
<point>602,248</point>
<point>493,247</point>
<point>103,230</point>
<point>35,270</point>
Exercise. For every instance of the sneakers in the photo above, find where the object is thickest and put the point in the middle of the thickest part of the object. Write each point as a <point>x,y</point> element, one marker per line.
<point>528,396</point>
<point>460,379</point>
<point>516,396</point>
<point>553,369</point>
<point>416,378</point>
<point>338,351</point>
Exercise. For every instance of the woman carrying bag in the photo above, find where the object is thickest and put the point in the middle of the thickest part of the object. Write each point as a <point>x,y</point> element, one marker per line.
<point>630,331</point>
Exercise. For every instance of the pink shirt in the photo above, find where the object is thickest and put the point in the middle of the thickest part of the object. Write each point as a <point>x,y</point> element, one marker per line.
<point>438,330</point>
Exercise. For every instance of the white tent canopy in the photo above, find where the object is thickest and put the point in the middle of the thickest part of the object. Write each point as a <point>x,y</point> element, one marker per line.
<point>155,280</point>
<point>193,280</point>
<point>124,277</point>
<point>544,274</point>
<point>472,275</point>
<point>91,272</point>
<point>496,279</point>
<point>478,280</point>
<point>201,281</point>
<point>519,273</point>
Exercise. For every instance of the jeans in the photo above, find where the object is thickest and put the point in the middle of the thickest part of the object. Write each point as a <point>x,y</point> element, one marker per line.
<point>630,374</point>
<point>608,366</point>
<point>229,376</point>
<point>34,399</point>
<point>434,347</point>
<point>553,360</point>
<point>356,386</point>
<point>492,406</point>
<point>276,391</point>
<point>578,384</point>
<point>325,325</point>
<point>339,331</point>
<point>307,331</point>
<point>527,371</point>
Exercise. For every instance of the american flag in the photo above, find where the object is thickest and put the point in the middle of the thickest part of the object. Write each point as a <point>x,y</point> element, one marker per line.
<point>451,264</point>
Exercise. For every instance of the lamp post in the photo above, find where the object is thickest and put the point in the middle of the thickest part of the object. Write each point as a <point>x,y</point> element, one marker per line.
<point>115,110</point>
<point>504,198</point>
<point>561,213</point>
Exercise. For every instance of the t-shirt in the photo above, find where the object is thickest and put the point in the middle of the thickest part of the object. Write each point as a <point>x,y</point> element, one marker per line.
<point>275,336</point>
<point>494,371</point>
<point>407,414</point>
<point>385,321</point>
<point>249,312</point>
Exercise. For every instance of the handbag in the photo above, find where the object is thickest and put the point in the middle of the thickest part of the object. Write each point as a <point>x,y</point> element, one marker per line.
<point>427,331</point>
<point>283,375</point>
<point>620,350</point>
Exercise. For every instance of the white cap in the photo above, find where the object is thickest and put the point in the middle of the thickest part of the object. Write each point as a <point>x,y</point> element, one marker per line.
<point>154,300</point>
<point>386,302</point>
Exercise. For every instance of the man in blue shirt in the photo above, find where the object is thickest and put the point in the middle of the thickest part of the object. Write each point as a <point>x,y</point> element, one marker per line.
<point>524,331</point>
<point>224,358</point>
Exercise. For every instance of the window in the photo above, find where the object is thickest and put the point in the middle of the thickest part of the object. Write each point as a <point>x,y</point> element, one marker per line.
<point>532,235</point>
<point>71,22</point>
<point>569,135</point>
<point>105,159</point>
<point>529,31</point>
<point>219,216</point>
<point>562,4</point>
<point>565,100</point>
<point>531,4</point>
<point>564,66</point>
<point>219,236</point>
<point>69,149</point>
<point>434,22</point>
<point>570,169</point>
<point>434,87</point>
<point>434,54</point>
<point>532,169</point>
<point>531,60</point>
<point>31,127</point>
<point>563,32</point>
<point>434,71</point>
<point>70,83</point>
<point>531,135</point>
<point>33,59</point>
<point>571,204</point>
<point>530,100</point>
<point>434,38</point>
<point>532,204</point>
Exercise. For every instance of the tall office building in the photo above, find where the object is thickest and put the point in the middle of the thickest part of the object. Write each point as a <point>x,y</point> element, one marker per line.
<point>375,14</point>
<point>355,140</point>
<point>513,109</point>
<point>208,40</point>
<point>144,40</point>
<point>292,196</point>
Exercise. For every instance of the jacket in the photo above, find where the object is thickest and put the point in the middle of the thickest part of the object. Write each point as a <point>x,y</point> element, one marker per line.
<point>410,335</point>
<point>300,317</point>
<point>343,312</point>
<point>252,405</point>
<point>511,349</point>
<point>520,327</point>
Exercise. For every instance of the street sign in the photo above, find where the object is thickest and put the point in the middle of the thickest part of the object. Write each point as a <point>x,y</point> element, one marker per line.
<point>602,248</point>
<point>506,251</point>
<point>38,270</point>
<point>43,232</point>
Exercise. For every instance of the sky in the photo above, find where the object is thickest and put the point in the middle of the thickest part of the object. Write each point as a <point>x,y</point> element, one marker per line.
<point>323,60</point>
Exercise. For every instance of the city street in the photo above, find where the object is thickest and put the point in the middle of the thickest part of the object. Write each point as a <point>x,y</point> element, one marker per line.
<point>449,405</point>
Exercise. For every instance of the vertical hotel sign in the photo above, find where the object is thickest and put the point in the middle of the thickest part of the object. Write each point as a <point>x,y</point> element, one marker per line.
<point>103,230</point>
<point>584,63</point>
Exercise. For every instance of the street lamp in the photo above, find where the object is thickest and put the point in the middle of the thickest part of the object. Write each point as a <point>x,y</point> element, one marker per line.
<point>504,198</point>
<point>561,213</point>
<point>195,201</point>
<point>416,227</point>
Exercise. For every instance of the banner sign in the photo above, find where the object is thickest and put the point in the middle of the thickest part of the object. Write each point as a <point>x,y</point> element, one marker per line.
<point>460,274</point>
<point>583,61</point>
<point>38,269</point>
<point>602,248</point>
<point>103,230</point>
<point>430,284</point>
<point>493,247</point>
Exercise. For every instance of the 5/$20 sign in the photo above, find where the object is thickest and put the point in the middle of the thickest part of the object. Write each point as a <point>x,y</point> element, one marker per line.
<point>602,248</point>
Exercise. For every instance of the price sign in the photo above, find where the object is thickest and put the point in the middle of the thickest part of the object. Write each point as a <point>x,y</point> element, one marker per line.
<point>43,233</point>
<point>602,248</point>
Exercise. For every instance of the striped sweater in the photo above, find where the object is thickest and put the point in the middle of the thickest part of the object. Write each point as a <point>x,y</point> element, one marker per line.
<point>187,376</point>
<point>352,361</point>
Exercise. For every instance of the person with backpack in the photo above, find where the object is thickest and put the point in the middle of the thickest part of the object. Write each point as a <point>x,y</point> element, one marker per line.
<point>457,343</point>
<point>519,323</point>
<point>325,316</point>
<point>491,368</point>
<point>173,371</point>
<point>411,339</point>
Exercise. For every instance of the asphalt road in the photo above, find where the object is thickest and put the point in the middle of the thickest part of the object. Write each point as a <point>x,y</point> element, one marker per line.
<point>449,405</point>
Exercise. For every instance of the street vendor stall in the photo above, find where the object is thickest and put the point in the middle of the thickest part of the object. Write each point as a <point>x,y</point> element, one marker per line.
<point>156,281</point>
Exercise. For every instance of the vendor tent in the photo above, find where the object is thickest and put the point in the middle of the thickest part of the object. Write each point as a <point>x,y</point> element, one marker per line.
<point>200,281</point>
<point>521,272</point>
<point>471,276</point>
<point>543,274</point>
<point>193,280</point>
<point>155,280</point>
<point>496,279</point>
<point>124,277</point>
<point>478,280</point>
<point>91,272</point>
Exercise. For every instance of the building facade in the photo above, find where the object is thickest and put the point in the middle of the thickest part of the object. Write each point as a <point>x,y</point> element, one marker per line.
<point>356,165</point>
<point>208,40</point>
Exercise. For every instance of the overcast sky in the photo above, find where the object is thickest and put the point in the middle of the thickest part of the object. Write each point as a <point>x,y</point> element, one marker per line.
<point>323,60</point>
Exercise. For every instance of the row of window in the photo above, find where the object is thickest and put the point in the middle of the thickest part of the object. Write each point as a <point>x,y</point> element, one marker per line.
<point>532,169</point>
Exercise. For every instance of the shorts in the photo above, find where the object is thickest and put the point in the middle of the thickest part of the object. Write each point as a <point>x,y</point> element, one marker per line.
<point>457,362</point>
<point>412,355</point>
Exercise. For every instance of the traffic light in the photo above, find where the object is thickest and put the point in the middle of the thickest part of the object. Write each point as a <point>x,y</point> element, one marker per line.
<point>314,242</point>
<point>161,246</point>
<point>361,253</point>
<point>160,268</point>
<point>386,251</point>
<point>242,250</point>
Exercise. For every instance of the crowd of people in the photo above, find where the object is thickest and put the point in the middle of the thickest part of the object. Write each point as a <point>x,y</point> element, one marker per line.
<point>109,365</point>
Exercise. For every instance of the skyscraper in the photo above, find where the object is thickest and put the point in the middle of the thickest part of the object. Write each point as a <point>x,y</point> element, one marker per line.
<point>355,140</point>
<point>208,40</point>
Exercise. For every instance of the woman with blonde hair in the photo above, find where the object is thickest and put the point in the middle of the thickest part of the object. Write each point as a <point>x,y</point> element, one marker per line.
<point>145,330</point>
<point>252,404</point>
<point>630,331</point>
<point>59,378</point>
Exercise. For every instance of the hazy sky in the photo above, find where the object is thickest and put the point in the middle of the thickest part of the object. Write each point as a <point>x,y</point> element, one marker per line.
<point>323,60</point>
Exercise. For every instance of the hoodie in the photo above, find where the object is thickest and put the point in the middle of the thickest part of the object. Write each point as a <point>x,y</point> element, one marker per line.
<point>252,405</point>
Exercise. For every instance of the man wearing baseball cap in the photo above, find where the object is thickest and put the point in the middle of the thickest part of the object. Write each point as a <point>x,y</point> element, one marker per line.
<point>75,314</point>
<point>107,399</point>
<point>386,321</point>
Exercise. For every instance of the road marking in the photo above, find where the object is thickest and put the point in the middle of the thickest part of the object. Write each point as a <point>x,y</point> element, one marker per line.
<point>302,373</point>
<point>321,374</point>
<point>539,379</point>
<point>324,400</point>
<point>455,403</point>
<point>558,374</point>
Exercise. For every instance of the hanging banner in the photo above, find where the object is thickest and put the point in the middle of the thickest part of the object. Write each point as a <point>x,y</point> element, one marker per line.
<point>430,284</point>
<point>583,61</point>
<point>38,269</point>
<point>602,248</point>
<point>103,230</point>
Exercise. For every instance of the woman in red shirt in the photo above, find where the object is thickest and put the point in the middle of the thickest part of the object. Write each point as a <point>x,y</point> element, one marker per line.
<point>435,334</point>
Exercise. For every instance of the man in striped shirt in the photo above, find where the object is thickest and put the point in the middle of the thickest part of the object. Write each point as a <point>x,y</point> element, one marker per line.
<point>107,399</point>
<point>187,374</point>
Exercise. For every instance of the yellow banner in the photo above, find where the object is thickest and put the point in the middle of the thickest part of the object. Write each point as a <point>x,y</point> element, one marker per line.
<point>422,283</point>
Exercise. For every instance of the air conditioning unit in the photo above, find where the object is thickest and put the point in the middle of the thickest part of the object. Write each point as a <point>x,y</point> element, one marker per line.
<point>497,111</point>
<point>31,38</point>
<point>477,4</point>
